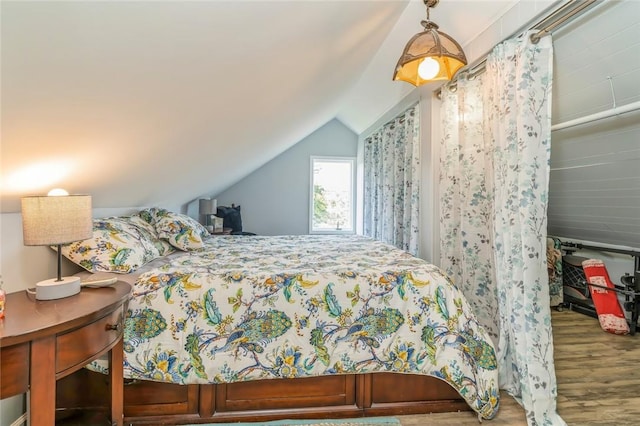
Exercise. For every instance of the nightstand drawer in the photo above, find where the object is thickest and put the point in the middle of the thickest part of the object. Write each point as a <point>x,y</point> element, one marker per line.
<point>76,348</point>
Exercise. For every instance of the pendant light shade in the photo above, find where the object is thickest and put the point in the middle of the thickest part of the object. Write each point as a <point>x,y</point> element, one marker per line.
<point>430,55</point>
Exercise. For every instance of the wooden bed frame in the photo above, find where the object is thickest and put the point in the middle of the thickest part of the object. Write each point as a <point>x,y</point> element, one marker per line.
<point>340,396</point>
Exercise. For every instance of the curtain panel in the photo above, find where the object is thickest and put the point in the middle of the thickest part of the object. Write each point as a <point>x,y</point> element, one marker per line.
<point>494,191</point>
<point>392,182</point>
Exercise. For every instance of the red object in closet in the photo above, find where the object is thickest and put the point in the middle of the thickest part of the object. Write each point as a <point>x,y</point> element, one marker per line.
<point>610,313</point>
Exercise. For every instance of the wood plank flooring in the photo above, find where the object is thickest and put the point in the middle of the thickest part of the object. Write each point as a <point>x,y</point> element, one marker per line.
<point>598,378</point>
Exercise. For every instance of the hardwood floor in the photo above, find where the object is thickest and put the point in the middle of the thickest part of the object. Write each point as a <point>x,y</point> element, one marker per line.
<point>598,378</point>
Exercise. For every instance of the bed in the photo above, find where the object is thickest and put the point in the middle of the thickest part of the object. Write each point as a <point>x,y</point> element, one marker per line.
<point>249,328</point>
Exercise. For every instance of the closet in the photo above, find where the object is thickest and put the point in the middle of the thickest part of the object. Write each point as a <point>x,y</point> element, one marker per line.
<point>594,190</point>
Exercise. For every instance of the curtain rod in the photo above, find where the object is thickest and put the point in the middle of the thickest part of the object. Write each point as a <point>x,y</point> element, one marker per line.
<point>546,25</point>
<point>580,246</point>
<point>560,16</point>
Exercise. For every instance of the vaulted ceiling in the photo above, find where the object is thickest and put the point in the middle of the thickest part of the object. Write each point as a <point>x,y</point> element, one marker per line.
<point>152,102</point>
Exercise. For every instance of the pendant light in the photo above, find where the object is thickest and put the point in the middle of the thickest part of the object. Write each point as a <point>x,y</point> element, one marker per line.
<point>430,55</point>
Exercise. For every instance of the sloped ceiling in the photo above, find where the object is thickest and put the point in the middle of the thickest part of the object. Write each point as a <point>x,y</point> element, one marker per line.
<point>153,102</point>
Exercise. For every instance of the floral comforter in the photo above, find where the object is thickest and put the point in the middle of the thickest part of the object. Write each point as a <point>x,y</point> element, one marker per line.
<point>251,307</point>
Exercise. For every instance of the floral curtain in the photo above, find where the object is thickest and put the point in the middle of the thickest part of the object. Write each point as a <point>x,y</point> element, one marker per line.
<point>392,181</point>
<point>493,186</point>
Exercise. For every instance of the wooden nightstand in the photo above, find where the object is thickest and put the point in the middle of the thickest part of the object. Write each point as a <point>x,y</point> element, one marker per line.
<point>225,231</point>
<point>43,341</point>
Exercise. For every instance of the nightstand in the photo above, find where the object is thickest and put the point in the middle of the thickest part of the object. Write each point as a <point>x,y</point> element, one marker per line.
<point>43,341</point>
<point>225,231</point>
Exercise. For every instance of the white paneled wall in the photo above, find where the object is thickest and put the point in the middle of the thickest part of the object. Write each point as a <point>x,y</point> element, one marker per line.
<point>596,52</point>
<point>594,190</point>
<point>521,15</point>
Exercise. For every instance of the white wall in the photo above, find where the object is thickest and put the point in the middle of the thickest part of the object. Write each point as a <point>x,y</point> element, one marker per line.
<point>594,186</point>
<point>274,199</point>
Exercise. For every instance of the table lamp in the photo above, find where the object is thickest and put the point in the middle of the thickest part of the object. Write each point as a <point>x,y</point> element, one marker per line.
<point>208,208</point>
<point>54,220</point>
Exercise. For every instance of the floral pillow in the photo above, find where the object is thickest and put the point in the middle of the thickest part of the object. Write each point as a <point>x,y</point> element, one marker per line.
<point>117,246</point>
<point>181,231</point>
<point>145,224</point>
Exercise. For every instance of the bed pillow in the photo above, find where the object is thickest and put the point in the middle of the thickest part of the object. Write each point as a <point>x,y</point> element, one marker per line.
<point>145,225</point>
<point>181,231</point>
<point>117,246</point>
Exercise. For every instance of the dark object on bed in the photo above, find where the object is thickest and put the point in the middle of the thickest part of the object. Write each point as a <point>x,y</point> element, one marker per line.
<point>232,219</point>
<point>375,394</point>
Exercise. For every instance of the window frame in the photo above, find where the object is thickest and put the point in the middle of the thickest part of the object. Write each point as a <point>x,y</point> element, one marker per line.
<point>337,159</point>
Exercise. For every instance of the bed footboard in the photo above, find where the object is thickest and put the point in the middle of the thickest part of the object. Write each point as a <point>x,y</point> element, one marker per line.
<point>343,396</point>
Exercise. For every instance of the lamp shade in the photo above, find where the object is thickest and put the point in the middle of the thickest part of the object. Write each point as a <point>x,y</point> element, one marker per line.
<point>208,206</point>
<point>434,44</point>
<point>54,220</point>
<point>444,55</point>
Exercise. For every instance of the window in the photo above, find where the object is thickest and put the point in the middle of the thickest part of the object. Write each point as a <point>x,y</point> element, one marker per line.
<point>332,207</point>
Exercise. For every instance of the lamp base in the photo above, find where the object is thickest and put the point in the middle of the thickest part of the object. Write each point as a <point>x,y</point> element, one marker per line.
<point>53,289</point>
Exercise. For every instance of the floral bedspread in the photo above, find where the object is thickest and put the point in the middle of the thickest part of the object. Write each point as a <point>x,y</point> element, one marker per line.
<point>252,307</point>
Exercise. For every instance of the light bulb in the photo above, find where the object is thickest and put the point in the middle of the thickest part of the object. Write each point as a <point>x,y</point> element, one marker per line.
<point>57,192</point>
<point>428,68</point>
